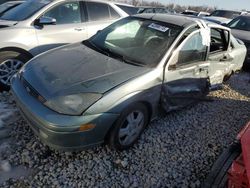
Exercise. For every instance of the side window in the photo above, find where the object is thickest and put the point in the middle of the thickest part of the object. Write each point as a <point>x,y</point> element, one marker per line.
<point>113,13</point>
<point>160,10</point>
<point>187,33</point>
<point>192,51</point>
<point>97,11</point>
<point>148,10</point>
<point>219,40</point>
<point>66,13</point>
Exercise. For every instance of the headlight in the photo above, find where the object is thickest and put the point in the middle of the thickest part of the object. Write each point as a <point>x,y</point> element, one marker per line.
<point>73,104</point>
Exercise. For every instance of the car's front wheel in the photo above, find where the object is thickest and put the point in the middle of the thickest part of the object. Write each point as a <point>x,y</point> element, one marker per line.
<point>10,63</point>
<point>129,127</point>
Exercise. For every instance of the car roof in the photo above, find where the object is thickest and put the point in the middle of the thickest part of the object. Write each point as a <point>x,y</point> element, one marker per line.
<point>179,20</point>
<point>191,11</point>
<point>169,18</point>
<point>101,1</point>
<point>122,4</point>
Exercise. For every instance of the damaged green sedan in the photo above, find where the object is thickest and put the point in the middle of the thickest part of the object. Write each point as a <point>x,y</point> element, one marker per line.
<point>108,88</point>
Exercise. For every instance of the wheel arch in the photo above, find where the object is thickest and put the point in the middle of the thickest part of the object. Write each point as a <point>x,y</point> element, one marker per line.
<point>148,106</point>
<point>16,49</point>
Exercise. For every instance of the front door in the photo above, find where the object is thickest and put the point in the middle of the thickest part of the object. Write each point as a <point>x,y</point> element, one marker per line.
<point>69,28</point>
<point>186,75</point>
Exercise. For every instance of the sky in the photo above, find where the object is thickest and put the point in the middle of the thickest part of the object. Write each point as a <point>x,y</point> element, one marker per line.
<point>225,4</point>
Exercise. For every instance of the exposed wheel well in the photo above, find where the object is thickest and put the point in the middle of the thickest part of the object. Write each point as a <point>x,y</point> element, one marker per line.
<point>19,50</point>
<point>227,77</point>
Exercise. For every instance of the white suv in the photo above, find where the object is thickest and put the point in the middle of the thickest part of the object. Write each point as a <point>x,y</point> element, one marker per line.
<point>39,25</point>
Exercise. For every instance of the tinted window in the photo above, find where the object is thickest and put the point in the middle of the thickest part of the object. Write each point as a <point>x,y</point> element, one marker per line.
<point>65,13</point>
<point>148,10</point>
<point>113,13</point>
<point>192,51</point>
<point>97,11</point>
<point>161,10</point>
<point>241,23</point>
<point>24,10</point>
<point>226,14</point>
<point>7,6</point>
<point>128,9</point>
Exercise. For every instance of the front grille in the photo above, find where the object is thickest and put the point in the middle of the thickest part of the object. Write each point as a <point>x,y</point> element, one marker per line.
<point>32,91</point>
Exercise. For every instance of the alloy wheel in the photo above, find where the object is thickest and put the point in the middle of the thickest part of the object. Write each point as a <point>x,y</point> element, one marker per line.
<point>8,68</point>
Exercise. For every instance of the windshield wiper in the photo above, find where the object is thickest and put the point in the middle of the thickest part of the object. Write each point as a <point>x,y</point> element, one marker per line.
<point>97,48</point>
<point>111,53</point>
<point>123,58</point>
<point>133,62</point>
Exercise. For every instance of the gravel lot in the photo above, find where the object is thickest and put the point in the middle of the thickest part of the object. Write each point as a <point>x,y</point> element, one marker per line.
<point>175,151</point>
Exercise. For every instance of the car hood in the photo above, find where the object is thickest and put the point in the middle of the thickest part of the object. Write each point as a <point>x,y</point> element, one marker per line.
<point>77,69</point>
<point>217,19</point>
<point>6,23</point>
<point>241,34</point>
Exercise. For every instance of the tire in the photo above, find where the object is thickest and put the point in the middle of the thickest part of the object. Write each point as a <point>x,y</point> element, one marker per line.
<point>217,178</point>
<point>10,63</point>
<point>123,134</point>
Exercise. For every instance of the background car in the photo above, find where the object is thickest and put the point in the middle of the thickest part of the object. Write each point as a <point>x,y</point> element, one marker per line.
<point>203,14</point>
<point>8,5</point>
<point>190,12</point>
<point>194,13</point>
<point>231,169</point>
<point>160,10</point>
<point>37,26</point>
<point>223,16</point>
<point>240,27</point>
<point>129,9</point>
<point>109,87</point>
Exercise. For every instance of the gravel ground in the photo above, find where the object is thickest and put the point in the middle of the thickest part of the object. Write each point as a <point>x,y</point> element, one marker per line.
<point>175,151</point>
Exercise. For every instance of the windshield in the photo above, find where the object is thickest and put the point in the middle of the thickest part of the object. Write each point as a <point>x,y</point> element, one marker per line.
<point>7,6</point>
<point>129,10</point>
<point>137,41</point>
<point>241,23</point>
<point>225,14</point>
<point>25,10</point>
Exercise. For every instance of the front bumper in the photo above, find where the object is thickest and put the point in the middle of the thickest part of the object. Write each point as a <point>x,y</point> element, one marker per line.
<point>57,130</point>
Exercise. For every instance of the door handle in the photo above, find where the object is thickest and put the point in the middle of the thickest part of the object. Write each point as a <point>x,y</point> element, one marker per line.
<point>79,29</point>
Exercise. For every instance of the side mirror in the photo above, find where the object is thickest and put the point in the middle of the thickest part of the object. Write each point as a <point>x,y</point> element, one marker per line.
<point>45,21</point>
<point>224,24</point>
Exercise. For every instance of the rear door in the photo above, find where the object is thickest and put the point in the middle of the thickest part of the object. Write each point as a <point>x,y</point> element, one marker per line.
<point>70,26</point>
<point>186,76</point>
<point>219,56</point>
<point>100,15</point>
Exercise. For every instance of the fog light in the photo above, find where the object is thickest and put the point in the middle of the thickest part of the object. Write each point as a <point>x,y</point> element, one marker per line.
<point>86,127</point>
